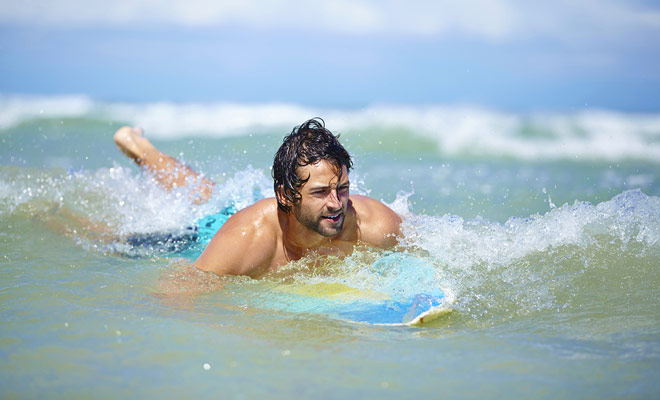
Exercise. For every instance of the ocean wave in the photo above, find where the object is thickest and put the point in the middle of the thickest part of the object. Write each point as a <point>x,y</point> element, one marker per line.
<point>566,257</point>
<point>630,217</point>
<point>454,130</point>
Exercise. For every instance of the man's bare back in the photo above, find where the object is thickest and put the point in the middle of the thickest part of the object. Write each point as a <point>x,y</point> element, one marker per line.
<point>311,213</point>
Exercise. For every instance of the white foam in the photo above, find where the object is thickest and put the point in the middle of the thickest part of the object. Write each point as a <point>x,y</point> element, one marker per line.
<point>17,109</point>
<point>456,130</point>
<point>460,244</point>
<point>240,190</point>
<point>128,202</point>
<point>518,266</point>
<point>169,121</point>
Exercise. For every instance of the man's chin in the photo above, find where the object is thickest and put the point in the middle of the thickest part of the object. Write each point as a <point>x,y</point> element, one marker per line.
<point>330,229</point>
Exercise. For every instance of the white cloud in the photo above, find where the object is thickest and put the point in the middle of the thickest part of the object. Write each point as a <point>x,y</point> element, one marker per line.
<point>591,20</point>
<point>485,19</point>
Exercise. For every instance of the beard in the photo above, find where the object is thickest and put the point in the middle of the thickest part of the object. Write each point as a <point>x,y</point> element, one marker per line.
<point>317,223</point>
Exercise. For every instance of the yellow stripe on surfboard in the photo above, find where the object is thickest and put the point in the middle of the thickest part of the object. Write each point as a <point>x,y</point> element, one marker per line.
<point>333,291</point>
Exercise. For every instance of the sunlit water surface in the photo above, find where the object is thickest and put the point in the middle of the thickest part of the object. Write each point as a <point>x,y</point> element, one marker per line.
<point>552,253</point>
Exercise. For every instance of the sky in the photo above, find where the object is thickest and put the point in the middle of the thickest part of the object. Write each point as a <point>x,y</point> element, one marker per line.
<point>504,54</point>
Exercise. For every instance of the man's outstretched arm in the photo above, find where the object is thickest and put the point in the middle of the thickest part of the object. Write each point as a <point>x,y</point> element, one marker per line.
<point>169,172</point>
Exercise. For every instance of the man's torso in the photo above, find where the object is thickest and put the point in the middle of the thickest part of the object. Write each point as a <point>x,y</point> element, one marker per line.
<point>253,241</point>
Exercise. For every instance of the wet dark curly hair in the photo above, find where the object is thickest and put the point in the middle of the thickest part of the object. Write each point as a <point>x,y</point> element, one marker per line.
<point>307,144</point>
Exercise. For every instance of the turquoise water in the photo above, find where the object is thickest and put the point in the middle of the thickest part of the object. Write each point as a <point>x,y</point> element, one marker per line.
<point>546,227</point>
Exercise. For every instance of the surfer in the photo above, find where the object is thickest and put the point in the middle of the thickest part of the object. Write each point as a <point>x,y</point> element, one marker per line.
<point>312,211</point>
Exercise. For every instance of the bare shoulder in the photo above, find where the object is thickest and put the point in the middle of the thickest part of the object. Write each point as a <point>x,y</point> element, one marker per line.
<point>245,244</point>
<point>378,224</point>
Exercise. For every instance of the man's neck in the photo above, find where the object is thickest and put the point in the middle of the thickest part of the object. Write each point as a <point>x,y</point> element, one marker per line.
<point>298,239</point>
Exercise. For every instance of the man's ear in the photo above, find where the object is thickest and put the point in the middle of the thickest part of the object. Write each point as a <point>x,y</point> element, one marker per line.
<point>281,198</point>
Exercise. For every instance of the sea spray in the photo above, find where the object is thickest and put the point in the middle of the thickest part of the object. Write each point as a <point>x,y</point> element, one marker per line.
<point>541,262</point>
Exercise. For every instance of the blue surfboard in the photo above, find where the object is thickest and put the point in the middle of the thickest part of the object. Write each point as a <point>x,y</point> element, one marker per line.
<point>413,311</point>
<point>342,302</point>
<point>396,289</point>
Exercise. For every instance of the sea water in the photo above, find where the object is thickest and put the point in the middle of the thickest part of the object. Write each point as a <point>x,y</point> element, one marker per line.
<point>545,226</point>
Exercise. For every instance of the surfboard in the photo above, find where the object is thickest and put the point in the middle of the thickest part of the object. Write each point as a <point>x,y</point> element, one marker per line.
<point>420,309</point>
<point>397,289</point>
<point>340,301</point>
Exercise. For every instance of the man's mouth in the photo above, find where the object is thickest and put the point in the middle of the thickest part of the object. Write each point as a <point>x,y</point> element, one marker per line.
<point>333,217</point>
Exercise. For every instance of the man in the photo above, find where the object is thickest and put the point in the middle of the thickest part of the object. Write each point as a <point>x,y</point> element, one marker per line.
<point>312,211</point>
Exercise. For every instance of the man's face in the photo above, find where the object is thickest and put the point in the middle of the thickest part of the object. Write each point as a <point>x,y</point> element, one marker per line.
<point>322,207</point>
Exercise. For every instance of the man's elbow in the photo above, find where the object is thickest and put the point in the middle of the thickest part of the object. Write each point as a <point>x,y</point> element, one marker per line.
<point>203,266</point>
<point>223,269</point>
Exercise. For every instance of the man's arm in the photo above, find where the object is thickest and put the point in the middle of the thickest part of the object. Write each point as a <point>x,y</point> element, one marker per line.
<point>244,245</point>
<point>169,172</point>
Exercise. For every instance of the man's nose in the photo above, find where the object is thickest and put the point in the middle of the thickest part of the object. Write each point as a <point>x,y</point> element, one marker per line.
<point>333,200</point>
